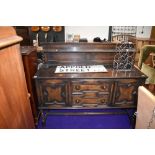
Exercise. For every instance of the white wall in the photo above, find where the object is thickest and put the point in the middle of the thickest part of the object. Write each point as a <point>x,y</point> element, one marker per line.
<point>89,32</point>
<point>146,31</point>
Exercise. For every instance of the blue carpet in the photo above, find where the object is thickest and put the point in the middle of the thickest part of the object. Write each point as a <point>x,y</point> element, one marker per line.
<point>109,121</point>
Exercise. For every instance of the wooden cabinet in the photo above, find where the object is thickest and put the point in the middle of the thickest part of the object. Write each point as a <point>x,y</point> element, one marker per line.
<point>15,110</point>
<point>29,57</point>
<point>126,92</point>
<point>52,93</point>
<point>24,32</point>
<point>90,92</point>
<point>94,90</point>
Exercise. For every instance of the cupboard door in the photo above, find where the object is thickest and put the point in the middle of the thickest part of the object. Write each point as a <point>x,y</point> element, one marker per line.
<point>53,93</point>
<point>125,93</point>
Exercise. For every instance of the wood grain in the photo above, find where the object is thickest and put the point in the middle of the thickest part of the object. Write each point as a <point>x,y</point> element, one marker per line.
<point>29,57</point>
<point>15,111</point>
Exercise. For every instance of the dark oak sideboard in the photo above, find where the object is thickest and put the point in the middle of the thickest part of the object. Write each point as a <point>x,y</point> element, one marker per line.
<point>112,89</point>
<point>105,90</point>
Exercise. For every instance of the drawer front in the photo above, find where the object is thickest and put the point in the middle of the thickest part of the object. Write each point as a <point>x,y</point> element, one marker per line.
<point>85,101</point>
<point>90,85</point>
<point>91,93</point>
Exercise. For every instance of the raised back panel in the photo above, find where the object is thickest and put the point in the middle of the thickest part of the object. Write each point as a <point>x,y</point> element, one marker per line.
<point>80,53</point>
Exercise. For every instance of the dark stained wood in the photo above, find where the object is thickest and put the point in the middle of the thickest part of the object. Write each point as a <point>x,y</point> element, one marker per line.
<point>47,71</point>
<point>112,89</point>
<point>122,84</point>
<point>83,53</point>
<point>29,57</point>
<point>15,110</point>
<point>80,47</point>
<point>24,32</point>
<point>152,33</point>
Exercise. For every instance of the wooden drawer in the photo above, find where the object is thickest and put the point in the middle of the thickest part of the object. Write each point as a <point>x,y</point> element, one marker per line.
<point>79,86</point>
<point>85,101</point>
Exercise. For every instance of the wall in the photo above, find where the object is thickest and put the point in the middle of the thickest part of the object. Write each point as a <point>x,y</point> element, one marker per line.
<point>143,31</point>
<point>90,32</point>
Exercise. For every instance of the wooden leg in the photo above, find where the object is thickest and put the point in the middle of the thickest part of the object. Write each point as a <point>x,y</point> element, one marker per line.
<point>43,117</point>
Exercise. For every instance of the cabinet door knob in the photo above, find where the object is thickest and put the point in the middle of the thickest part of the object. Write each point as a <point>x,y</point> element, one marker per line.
<point>77,87</point>
<point>77,101</point>
<point>103,87</point>
<point>29,95</point>
<point>102,100</point>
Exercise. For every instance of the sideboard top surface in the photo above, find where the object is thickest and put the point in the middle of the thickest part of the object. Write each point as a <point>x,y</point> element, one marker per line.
<point>48,71</point>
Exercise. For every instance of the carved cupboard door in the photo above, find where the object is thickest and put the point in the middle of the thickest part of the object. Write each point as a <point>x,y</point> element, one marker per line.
<point>125,92</point>
<point>54,93</point>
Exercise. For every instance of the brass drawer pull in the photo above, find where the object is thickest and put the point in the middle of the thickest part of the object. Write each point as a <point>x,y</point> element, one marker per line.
<point>29,95</point>
<point>102,100</point>
<point>103,87</point>
<point>77,87</point>
<point>77,101</point>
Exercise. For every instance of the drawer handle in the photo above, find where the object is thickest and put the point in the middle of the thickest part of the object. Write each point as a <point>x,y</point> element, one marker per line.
<point>103,87</point>
<point>77,87</point>
<point>77,101</point>
<point>102,100</point>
